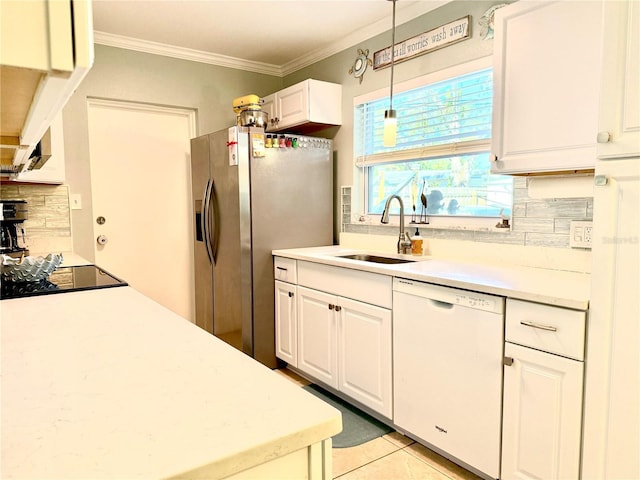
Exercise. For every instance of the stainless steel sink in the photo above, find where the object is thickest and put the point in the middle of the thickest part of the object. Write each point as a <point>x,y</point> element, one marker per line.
<point>365,257</point>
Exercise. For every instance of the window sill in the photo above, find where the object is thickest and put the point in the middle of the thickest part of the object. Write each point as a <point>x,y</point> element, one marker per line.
<point>485,224</point>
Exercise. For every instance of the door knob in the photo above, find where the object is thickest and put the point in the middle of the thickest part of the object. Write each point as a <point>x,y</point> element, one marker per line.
<point>102,240</point>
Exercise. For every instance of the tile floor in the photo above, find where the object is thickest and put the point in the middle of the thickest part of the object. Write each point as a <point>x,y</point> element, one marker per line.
<point>390,457</point>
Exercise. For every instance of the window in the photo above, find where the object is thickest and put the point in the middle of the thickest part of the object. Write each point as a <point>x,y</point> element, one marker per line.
<point>442,150</point>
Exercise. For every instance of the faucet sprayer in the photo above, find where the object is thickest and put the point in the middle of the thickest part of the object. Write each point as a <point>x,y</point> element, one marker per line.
<point>404,243</point>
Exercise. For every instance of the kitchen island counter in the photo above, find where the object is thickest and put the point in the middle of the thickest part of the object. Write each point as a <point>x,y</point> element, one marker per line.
<point>109,384</point>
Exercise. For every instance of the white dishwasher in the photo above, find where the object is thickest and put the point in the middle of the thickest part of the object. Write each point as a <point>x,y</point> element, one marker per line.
<point>447,364</point>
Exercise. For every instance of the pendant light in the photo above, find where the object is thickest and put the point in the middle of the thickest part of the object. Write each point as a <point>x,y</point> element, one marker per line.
<point>390,122</point>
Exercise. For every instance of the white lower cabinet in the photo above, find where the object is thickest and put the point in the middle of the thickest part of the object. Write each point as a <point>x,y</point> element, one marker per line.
<point>364,354</point>
<point>317,337</point>
<point>542,403</point>
<point>335,325</point>
<point>286,323</point>
<point>542,415</point>
<point>346,344</point>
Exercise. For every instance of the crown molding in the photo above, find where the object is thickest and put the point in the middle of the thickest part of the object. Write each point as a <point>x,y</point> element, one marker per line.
<point>403,15</point>
<point>156,48</point>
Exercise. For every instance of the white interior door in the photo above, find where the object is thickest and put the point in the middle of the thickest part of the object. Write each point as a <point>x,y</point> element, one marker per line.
<point>141,187</point>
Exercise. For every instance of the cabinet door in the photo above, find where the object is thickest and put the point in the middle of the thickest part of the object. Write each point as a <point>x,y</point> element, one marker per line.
<point>364,354</point>
<point>269,106</point>
<point>317,341</point>
<point>293,104</point>
<point>546,86</point>
<point>612,391</point>
<point>37,34</point>
<point>542,415</point>
<point>619,127</point>
<point>286,323</point>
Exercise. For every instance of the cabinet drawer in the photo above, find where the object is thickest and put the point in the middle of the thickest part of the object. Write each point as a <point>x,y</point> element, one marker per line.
<point>285,269</point>
<point>367,287</point>
<point>543,327</point>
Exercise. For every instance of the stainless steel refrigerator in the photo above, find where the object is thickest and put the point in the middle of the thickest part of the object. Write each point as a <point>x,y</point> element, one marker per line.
<point>249,200</point>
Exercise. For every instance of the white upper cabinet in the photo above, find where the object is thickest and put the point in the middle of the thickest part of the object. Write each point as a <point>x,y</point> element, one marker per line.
<point>304,107</point>
<point>46,49</point>
<point>619,126</point>
<point>547,58</point>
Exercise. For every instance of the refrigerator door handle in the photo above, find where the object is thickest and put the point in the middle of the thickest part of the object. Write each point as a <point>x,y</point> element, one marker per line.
<point>216,222</point>
<point>204,219</point>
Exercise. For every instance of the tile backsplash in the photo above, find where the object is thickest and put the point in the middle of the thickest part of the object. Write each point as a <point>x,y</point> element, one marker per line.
<point>49,225</point>
<point>534,222</point>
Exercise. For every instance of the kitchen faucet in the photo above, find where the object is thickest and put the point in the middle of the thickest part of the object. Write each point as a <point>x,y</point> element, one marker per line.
<point>404,243</point>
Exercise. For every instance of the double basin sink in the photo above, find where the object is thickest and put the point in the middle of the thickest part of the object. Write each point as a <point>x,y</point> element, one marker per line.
<point>365,257</point>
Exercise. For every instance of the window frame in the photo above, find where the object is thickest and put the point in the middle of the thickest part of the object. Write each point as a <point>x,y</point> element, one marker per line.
<point>360,193</point>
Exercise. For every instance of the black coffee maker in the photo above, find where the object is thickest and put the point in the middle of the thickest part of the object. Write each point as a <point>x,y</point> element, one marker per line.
<point>12,233</point>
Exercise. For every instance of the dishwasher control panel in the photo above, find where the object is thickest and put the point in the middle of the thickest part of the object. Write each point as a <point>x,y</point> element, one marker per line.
<point>477,301</point>
<point>453,296</point>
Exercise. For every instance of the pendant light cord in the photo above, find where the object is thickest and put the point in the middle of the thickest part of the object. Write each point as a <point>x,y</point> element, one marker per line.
<point>393,48</point>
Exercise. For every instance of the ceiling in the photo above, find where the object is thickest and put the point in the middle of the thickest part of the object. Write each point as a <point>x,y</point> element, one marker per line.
<point>274,37</point>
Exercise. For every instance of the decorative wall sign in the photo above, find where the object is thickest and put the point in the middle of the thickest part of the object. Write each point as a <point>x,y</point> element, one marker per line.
<point>445,35</point>
<point>360,64</point>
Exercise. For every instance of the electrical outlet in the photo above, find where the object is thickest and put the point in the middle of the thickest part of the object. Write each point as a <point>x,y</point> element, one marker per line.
<point>580,233</point>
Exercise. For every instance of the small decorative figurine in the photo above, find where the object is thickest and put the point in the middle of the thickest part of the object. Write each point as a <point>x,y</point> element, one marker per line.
<point>360,65</point>
<point>486,22</point>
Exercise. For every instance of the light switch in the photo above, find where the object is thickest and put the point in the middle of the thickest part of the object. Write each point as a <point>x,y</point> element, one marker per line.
<point>76,201</point>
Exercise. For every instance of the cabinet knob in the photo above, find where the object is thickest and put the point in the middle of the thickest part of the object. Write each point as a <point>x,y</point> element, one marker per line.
<point>508,361</point>
<point>290,294</point>
<point>493,158</point>
<point>604,137</point>
<point>600,180</point>
<point>331,306</point>
<point>338,308</point>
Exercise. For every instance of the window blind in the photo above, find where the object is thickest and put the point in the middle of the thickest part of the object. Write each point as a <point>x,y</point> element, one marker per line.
<point>447,117</point>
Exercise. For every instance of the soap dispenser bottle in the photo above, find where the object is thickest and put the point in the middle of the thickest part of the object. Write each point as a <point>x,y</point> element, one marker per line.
<point>416,243</point>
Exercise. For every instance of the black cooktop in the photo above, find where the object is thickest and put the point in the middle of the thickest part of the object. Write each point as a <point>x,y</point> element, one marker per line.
<point>64,279</point>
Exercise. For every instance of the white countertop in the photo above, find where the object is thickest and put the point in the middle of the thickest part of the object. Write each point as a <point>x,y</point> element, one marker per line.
<point>552,287</point>
<point>109,384</point>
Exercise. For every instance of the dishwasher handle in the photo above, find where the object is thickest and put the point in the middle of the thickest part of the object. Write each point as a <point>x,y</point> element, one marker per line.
<point>440,304</point>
